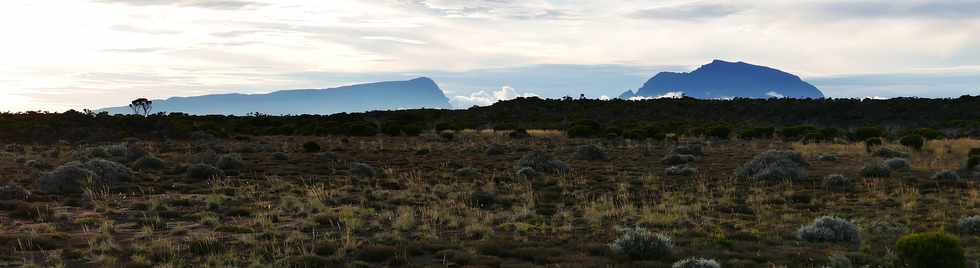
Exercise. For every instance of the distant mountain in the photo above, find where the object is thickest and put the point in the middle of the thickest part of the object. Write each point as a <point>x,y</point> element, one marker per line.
<point>721,79</point>
<point>416,93</point>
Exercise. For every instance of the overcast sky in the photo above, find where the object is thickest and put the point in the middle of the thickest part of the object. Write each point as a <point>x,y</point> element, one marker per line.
<point>60,54</point>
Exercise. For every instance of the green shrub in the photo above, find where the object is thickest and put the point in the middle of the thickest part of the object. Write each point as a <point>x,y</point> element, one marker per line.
<point>796,132</point>
<point>756,133</point>
<point>361,129</point>
<point>872,142</point>
<point>718,132</point>
<point>913,141</point>
<point>311,147</point>
<point>927,250</point>
<point>865,133</point>
<point>974,152</point>
<point>928,133</point>
<point>584,129</point>
<point>973,163</point>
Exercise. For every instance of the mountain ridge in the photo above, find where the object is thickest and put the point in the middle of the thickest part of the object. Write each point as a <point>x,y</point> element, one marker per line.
<point>421,92</point>
<point>722,79</point>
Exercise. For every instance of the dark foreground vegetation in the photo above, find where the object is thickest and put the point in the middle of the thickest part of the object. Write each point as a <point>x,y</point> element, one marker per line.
<point>747,118</point>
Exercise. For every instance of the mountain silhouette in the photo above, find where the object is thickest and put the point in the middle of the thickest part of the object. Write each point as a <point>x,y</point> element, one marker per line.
<point>721,79</point>
<point>416,93</point>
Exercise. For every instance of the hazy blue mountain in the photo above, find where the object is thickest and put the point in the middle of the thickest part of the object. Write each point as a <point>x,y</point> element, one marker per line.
<point>416,93</point>
<point>722,79</point>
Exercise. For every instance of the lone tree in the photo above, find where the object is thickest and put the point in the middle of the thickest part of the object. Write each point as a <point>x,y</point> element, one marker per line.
<point>141,106</point>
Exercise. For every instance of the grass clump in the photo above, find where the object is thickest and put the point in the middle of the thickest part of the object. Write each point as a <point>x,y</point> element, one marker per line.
<point>203,171</point>
<point>775,165</point>
<point>640,244</point>
<point>678,159</point>
<point>590,152</point>
<point>542,162</point>
<point>928,250</point>
<point>363,170</point>
<point>969,225</point>
<point>875,170</point>
<point>898,164</point>
<point>696,263</point>
<point>946,176</point>
<point>838,182</point>
<point>681,170</point>
<point>829,229</point>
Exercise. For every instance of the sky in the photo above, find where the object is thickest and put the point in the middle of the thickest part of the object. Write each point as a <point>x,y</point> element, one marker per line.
<point>76,54</point>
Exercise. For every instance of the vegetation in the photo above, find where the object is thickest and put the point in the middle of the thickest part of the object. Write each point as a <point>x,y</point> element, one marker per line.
<point>924,250</point>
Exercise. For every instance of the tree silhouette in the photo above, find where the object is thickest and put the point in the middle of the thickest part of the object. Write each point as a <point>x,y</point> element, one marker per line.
<point>141,106</point>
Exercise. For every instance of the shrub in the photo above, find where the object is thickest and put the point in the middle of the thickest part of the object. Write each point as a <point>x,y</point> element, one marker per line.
<point>756,133</point>
<point>838,261</point>
<point>696,263</point>
<point>116,150</point>
<point>691,149</point>
<point>677,159</point>
<point>203,171</point>
<point>974,152</point>
<point>831,157</point>
<point>775,165</point>
<point>639,243</point>
<point>886,152</point>
<point>913,141</point>
<point>973,163</point>
<point>681,170</point>
<point>590,152</point>
<point>928,133</point>
<point>135,152</point>
<point>361,129</point>
<point>875,170</point>
<point>584,129</point>
<point>13,192</point>
<point>363,170</point>
<point>814,137</point>
<point>466,173</point>
<point>311,147</point>
<point>519,134</point>
<point>543,162</point>
<point>447,136</point>
<point>897,164</point>
<point>149,162</point>
<point>946,176</point>
<point>69,178</point>
<point>829,229</point>
<point>970,225</point>
<point>872,142</point>
<point>928,250</point>
<point>796,132</point>
<point>482,199</point>
<point>230,162</point>
<point>718,132</point>
<point>838,182</point>
<point>865,133</point>
<point>526,173</point>
<point>580,132</point>
<point>280,156</point>
<point>108,171</point>
<point>495,149</point>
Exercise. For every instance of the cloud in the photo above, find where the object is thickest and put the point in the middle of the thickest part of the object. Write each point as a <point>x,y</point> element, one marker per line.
<point>488,9</point>
<point>948,9</point>
<point>134,50</point>
<point>134,29</point>
<point>395,39</point>
<point>688,11</point>
<point>668,95</point>
<point>483,98</point>
<point>773,94</point>
<point>207,4</point>
<point>604,97</point>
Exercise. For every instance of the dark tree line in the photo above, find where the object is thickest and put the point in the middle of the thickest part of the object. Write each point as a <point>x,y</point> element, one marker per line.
<point>637,119</point>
